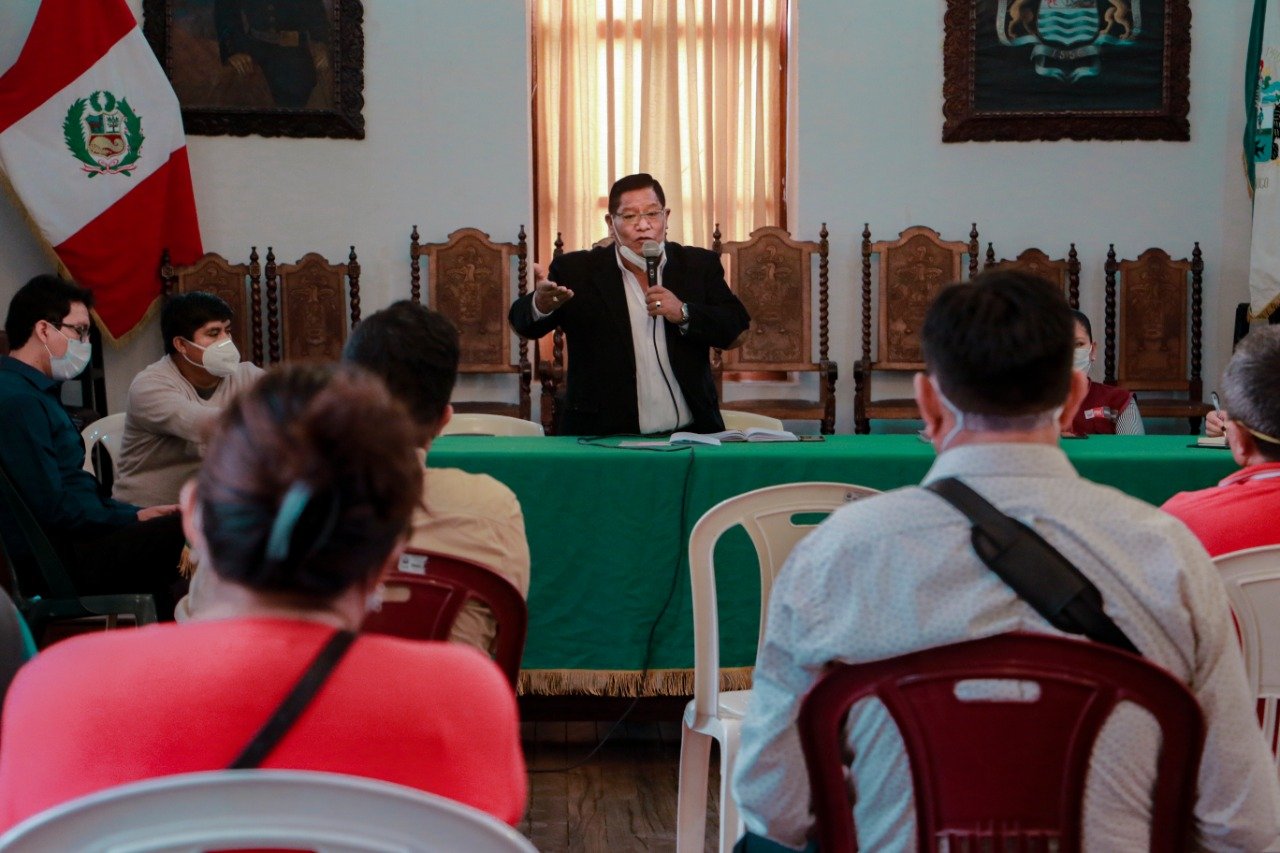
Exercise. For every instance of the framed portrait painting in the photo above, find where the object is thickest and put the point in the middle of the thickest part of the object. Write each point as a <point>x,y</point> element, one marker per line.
<point>1066,69</point>
<point>270,67</point>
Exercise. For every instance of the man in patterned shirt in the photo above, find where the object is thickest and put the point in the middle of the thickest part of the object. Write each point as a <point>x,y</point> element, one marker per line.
<point>896,573</point>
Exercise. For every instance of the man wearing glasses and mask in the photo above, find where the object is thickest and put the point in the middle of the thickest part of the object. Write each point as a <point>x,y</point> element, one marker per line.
<point>106,545</point>
<point>639,352</point>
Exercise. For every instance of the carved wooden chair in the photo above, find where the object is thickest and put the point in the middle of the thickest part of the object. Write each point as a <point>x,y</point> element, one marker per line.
<point>1063,271</point>
<point>307,304</point>
<point>553,359</point>
<point>469,281</point>
<point>772,274</point>
<point>912,269</point>
<point>1155,346</point>
<point>239,285</point>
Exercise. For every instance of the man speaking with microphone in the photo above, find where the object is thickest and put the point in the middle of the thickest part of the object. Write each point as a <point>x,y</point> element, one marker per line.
<point>640,318</point>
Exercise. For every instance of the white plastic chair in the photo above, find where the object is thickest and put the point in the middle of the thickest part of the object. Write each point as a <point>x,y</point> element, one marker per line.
<point>470,423</point>
<point>107,430</point>
<point>1252,578</point>
<point>244,809</point>
<point>768,516</point>
<point>747,420</point>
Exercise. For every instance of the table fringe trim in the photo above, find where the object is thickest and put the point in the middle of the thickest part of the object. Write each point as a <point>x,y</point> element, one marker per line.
<point>595,682</point>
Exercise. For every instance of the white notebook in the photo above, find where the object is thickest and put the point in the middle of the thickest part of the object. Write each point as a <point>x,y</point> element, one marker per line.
<point>750,434</point>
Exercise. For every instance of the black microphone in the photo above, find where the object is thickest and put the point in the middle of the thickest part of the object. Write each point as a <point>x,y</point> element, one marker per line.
<point>652,251</point>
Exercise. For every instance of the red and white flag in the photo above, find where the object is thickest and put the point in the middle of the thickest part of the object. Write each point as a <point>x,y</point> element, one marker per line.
<point>91,141</point>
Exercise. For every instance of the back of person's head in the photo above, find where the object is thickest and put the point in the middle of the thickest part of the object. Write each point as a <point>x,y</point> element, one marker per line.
<point>640,181</point>
<point>415,351</point>
<point>45,297</point>
<point>1083,319</point>
<point>1251,388</point>
<point>1001,344</point>
<point>308,481</point>
<point>186,313</point>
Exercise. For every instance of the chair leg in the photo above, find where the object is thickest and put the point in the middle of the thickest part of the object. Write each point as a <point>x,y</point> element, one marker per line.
<point>691,798</point>
<point>731,828</point>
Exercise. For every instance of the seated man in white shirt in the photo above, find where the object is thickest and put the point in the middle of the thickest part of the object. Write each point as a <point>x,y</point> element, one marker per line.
<point>172,400</point>
<point>897,573</point>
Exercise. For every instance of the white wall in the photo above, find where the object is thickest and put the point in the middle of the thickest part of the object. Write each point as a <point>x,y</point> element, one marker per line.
<point>448,145</point>
<point>870,107</point>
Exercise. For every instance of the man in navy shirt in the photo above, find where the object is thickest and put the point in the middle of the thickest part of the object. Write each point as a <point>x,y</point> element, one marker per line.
<point>107,546</point>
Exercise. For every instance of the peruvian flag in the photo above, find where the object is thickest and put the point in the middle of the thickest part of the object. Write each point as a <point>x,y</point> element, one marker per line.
<point>91,141</point>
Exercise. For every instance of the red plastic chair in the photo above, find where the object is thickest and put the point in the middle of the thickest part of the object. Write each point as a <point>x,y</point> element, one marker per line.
<point>1002,774</point>
<point>425,606</point>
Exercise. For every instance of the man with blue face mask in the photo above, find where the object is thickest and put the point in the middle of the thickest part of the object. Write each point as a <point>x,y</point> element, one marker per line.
<point>897,573</point>
<point>108,546</point>
<point>639,346</point>
<point>172,400</point>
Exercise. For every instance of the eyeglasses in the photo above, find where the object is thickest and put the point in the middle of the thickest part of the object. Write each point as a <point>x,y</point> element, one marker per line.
<point>650,216</point>
<point>82,332</point>
<point>1261,436</point>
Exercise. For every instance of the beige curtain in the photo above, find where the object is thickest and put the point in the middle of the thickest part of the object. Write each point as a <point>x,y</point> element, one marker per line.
<point>691,91</point>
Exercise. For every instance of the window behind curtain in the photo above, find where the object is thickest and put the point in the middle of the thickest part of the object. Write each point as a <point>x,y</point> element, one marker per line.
<point>692,91</point>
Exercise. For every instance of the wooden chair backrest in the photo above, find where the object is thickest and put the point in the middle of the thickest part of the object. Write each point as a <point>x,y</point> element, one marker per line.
<point>469,280</point>
<point>1062,271</point>
<point>307,306</point>
<point>239,285</point>
<point>1158,330</point>
<point>772,274</point>
<point>913,268</point>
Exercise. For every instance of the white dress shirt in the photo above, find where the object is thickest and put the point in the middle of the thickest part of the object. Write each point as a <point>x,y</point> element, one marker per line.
<point>659,400</point>
<point>896,573</point>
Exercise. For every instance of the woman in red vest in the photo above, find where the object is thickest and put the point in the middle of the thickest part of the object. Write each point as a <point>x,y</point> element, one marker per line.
<point>1106,410</point>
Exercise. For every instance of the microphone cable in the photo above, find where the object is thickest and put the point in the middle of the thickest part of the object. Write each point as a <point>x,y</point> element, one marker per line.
<point>653,627</point>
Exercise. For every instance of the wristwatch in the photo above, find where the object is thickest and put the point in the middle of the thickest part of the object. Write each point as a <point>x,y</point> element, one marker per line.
<point>684,313</point>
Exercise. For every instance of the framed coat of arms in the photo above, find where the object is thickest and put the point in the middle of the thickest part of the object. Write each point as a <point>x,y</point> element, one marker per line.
<point>1066,69</point>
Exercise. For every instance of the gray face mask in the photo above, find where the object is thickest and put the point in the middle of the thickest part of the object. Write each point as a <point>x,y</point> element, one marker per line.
<point>71,363</point>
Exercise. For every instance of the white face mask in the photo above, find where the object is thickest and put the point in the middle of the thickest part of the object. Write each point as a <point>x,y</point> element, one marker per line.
<point>955,413</point>
<point>1080,359</point>
<point>220,359</point>
<point>631,254</point>
<point>71,363</point>
<point>991,423</point>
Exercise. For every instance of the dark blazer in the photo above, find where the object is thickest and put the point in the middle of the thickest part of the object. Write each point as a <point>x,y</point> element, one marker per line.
<point>601,393</point>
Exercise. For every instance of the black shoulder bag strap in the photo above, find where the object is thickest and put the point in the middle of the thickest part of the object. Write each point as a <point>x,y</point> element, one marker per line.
<point>1033,568</point>
<point>295,703</point>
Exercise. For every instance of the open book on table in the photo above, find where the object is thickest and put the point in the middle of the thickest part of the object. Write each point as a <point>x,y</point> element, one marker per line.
<point>749,434</point>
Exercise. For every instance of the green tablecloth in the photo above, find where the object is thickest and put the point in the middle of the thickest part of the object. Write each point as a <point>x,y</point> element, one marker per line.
<point>608,530</point>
